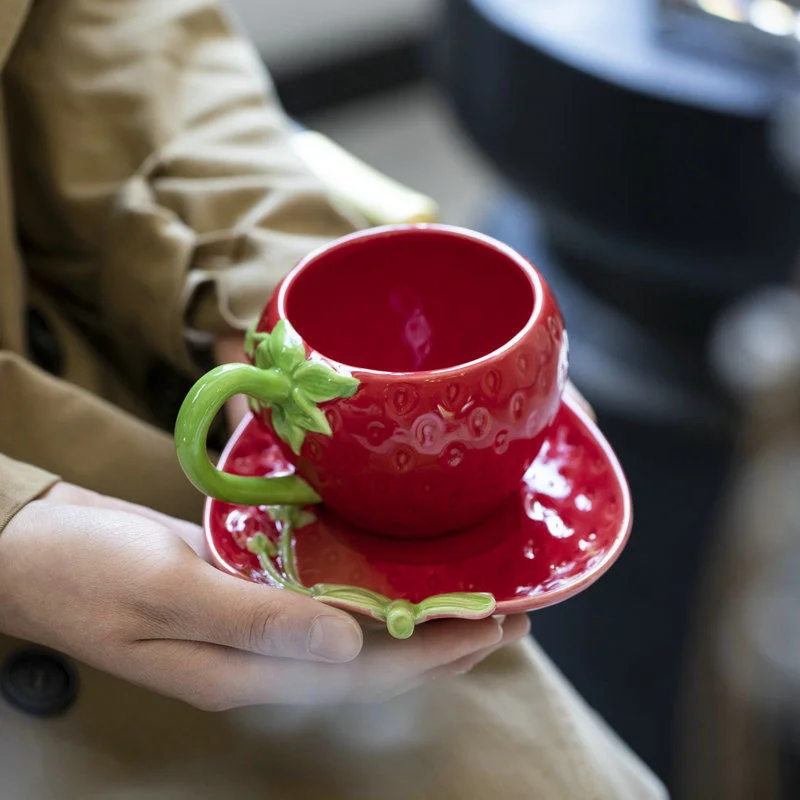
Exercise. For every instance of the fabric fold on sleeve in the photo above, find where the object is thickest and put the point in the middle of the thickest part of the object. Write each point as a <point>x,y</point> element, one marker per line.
<point>164,195</point>
<point>19,485</point>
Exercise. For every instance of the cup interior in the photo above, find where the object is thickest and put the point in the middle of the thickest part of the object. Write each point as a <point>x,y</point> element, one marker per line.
<point>410,300</point>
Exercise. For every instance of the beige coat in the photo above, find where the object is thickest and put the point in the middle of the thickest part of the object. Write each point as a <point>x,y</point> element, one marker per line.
<point>149,199</point>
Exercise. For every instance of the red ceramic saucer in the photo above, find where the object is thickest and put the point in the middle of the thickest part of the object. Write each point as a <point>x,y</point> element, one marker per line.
<point>565,527</point>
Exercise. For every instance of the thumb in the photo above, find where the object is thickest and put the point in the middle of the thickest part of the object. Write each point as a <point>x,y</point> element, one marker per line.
<point>219,609</point>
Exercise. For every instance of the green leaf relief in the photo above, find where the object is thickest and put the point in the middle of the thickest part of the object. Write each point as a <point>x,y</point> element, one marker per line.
<point>353,598</point>
<point>279,423</point>
<point>296,516</point>
<point>311,417</point>
<point>252,339</point>
<point>469,605</point>
<point>320,383</point>
<point>263,359</point>
<point>295,437</point>
<point>260,544</point>
<point>286,349</point>
<point>401,616</point>
<point>311,383</point>
<point>288,561</point>
<point>304,516</point>
<point>265,549</point>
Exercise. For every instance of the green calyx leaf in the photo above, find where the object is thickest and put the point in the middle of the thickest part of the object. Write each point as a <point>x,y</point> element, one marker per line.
<point>285,347</point>
<point>252,339</point>
<point>295,436</point>
<point>320,383</point>
<point>310,383</point>
<point>467,605</point>
<point>311,417</point>
<point>291,423</point>
<point>279,424</point>
<point>353,598</point>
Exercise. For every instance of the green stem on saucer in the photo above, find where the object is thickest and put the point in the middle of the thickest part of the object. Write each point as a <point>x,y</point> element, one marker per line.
<point>261,546</point>
<point>401,616</point>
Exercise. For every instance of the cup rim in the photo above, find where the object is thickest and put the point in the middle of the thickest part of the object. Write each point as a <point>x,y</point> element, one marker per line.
<point>522,263</point>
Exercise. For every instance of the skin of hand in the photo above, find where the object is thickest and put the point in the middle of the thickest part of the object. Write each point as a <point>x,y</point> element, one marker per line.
<point>229,350</point>
<point>128,590</point>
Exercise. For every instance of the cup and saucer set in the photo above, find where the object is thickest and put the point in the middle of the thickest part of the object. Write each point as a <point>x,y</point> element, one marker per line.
<point>413,451</point>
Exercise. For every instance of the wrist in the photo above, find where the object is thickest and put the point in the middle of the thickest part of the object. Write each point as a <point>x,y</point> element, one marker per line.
<point>19,485</point>
<point>228,349</point>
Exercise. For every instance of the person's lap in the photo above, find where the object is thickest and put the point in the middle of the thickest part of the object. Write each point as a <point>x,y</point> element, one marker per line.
<point>510,728</point>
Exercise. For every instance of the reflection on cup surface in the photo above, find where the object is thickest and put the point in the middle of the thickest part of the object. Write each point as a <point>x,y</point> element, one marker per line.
<point>455,351</point>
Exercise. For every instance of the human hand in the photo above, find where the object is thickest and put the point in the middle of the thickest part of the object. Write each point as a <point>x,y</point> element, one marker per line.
<point>123,588</point>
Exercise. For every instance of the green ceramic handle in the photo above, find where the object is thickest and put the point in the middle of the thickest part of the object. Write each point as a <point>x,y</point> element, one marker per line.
<point>401,616</point>
<point>269,387</point>
<point>282,380</point>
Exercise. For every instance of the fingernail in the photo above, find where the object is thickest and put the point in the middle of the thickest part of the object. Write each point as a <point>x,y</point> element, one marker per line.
<point>501,618</point>
<point>334,639</point>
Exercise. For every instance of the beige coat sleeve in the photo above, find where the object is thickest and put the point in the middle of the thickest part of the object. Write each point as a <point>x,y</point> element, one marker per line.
<point>67,432</point>
<point>158,188</point>
<point>19,485</point>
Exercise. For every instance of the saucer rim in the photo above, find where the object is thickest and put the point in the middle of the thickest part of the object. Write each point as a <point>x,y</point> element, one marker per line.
<point>518,605</point>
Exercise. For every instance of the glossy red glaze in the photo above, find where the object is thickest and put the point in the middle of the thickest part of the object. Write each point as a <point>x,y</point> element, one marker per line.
<point>461,354</point>
<point>565,525</point>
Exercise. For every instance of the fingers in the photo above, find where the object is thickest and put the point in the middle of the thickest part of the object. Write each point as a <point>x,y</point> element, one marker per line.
<point>434,644</point>
<point>219,609</point>
<point>514,628</point>
<point>216,678</point>
<point>185,598</point>
<point>230,348</point>
<point>387,665</point>
<point>384,667</point>
<point>204,675</point>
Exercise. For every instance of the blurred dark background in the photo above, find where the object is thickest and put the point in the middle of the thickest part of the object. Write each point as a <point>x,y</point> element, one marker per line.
<point>644,155</point>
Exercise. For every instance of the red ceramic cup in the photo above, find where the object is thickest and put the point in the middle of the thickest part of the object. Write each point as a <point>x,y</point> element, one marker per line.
<point>409,373</point>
